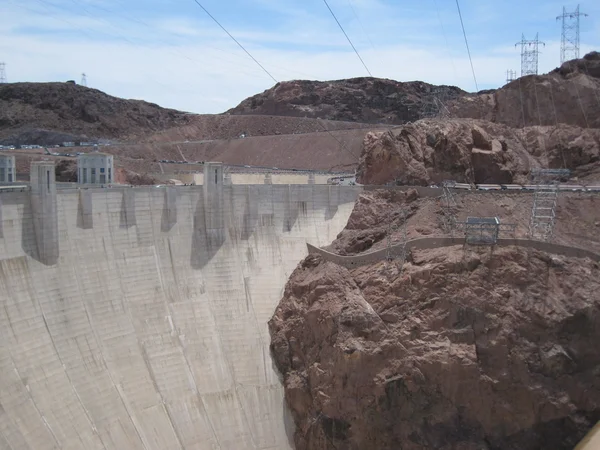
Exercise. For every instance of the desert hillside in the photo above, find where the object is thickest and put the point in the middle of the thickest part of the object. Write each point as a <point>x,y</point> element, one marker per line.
<point>569,94</point>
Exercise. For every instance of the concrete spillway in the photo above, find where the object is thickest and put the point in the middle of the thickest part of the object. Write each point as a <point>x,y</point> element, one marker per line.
<point>137,318</point>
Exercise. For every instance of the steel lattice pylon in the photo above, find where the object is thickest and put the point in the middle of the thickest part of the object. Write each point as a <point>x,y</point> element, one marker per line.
<point>529,55</point>
<point>398,225</point>
<point>2,72</point>
<point>511,75</point>
<point>436,107</point>
<point>569,48</point>
<point>449,203</point>
<point>543,213</point>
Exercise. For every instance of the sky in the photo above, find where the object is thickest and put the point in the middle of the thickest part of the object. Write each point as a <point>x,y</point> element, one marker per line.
<point>170,52</point>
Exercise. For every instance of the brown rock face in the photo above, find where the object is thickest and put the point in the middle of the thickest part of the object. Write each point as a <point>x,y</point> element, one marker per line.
<point>466,351</point>
<point>372,100</point>
<point>471,151</point>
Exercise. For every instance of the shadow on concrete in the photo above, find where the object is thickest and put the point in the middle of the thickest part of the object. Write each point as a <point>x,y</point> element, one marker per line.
<point>290,214</point>
<point>127,216</point>
<point>169,211</point>
<point>205,243</point>
<point>85,218</point>
<point>28,235</point>
<point>250,218</point>
<point>333,200</point>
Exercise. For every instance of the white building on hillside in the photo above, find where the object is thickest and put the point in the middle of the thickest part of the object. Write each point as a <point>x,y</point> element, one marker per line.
<point>95,168</point>
<point>7,169</point>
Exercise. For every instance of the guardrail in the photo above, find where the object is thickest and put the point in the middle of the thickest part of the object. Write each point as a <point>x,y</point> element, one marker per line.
<point>426,243</point>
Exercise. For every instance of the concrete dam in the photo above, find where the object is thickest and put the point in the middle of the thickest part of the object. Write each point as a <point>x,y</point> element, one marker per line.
<point>136,318</point>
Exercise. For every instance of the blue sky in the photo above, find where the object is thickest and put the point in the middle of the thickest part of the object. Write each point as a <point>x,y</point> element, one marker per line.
<point>171,53</point>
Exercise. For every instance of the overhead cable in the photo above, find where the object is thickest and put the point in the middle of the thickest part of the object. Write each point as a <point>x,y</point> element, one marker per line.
<point>361,24</point>
<point>343,31</point>
<point>236,41</point>
<point>467,44</point>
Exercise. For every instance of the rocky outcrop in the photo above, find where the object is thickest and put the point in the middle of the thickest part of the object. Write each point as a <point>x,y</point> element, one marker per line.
<point>470,151</point>
<point>462,350</point>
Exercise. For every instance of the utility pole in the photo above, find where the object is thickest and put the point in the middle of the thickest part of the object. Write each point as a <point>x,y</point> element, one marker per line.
<point>529,55</point>
<point>511,75</point>
<point>83,80</point>
<point>569,48</point>
<point>3,73</point>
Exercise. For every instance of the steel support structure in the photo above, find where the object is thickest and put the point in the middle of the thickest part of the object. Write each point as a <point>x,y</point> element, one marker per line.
<point>2,73</point>
<point>398,225</point>
<point>436,106</point>
<point>84,79</point>
<point>543,213</point>
<point>511,75</point>
<point>449,205</point>
<point>569,44</point>
<point>530,51</point>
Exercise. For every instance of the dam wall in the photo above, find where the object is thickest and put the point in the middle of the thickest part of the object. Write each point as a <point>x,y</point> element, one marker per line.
<point>139,320</point>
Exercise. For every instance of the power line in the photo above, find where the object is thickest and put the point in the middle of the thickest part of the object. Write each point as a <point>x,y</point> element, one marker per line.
<point>235,40</point>
<point>361,24</point>
<point>445,39</point>
<point>343,31</point>
<point>467,44</point>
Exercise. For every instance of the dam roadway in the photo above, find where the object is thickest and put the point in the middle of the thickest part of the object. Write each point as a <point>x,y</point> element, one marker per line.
<point>137,318</point>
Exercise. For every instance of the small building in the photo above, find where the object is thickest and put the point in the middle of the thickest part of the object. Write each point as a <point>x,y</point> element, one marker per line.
<point>95,168</point>
<point>8,171</point>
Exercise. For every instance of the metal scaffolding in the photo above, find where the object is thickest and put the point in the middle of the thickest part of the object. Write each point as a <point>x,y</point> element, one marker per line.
<point>543,213</point>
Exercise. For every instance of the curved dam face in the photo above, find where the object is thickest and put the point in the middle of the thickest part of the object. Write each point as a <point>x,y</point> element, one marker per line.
<point>137,318</point>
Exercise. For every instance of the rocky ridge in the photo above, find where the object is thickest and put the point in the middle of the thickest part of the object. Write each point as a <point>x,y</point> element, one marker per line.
<point>569,95</point>
<point>37,111</point>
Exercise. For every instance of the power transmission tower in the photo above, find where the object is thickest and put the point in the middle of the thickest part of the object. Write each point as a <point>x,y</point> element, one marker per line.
<point>511,75</point>
<point>529,55</point>
<point>2,73</point>
<point>399,225</point>
<point>569,48</point>
<point>435,104</point>
<point>83,80</point>
<point>449,206</point>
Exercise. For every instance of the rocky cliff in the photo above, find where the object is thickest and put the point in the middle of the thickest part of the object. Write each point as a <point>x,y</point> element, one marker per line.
<point>477,350</point>
<point>567,95</point>
<point>473,151</point>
